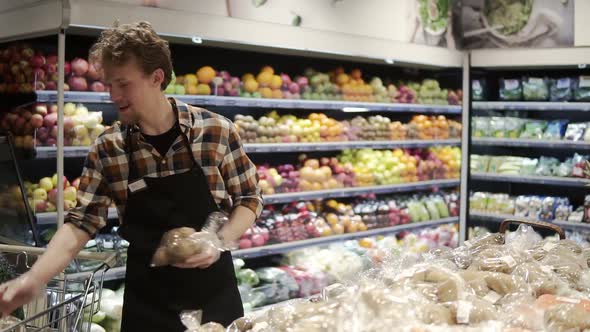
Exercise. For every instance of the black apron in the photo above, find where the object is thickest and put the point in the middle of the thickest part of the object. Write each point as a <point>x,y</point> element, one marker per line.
<point>155,296</point>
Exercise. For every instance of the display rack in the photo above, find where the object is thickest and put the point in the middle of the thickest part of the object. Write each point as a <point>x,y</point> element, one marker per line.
<point>530,143</point>
<point>498,218</point>
<point>530,106</point>
<point>538,180</point>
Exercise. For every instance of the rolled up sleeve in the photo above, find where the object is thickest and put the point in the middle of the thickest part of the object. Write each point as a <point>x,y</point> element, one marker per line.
<point>93,196</point>
<point>240,176</point>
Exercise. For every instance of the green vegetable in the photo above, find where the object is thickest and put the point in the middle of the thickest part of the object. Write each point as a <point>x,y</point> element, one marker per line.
<point>511,14</point>
<point>434,14</point>
<point>535,88</point>
<point>248,277</point>
<point>8,273</point>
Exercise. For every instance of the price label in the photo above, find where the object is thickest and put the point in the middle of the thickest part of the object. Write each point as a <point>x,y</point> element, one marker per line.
<point>584,81</point>
<point>463,312</point>
<point>492,297</point>
<point>509,260</point>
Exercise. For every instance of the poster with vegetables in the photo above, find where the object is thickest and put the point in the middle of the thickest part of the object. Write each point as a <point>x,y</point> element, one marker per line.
<point>433,23</point>
<point>516,23</point>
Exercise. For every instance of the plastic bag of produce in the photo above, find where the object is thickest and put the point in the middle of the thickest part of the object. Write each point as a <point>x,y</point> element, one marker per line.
<point>563,208</point>
<point>192,321</point>
<point>562,89</point>
<point>478,201</point>
<point>497,127</point>
<point>529,165</point>
<point>9,321</point>
<point>510,89</point>
<point>479,163</point>
<point>546,166</point>
<point>587,133</point>
<point>555,130</point>
<point>521,208</point>
<point>534,129</point>
<point>535,88</point>
<point>575,131</point>
<point>478,89</point>
<point>564,169</point>
<point>481,126</point>
<point>513,127</point>
<point>181,243</point>
<point>582,89</point>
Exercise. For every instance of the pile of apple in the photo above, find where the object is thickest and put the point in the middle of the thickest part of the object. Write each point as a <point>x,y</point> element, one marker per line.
<point>399,131</point>
<point>433,127</point>
<point>430,93</point>
<point>36,125</point>
<point>24,70</point>
<point>42,196</point>
<point>312,176</point>
<point>380,167</point>
<point>331,130</point>
<point>451,158</point>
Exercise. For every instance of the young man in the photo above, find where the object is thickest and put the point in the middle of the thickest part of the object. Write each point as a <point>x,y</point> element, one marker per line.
<point>165,165</point>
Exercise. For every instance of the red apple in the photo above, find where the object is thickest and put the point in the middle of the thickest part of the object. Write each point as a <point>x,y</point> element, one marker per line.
<point>36,121</point>
<point>257,240</point>
<point>78,83</point>
<point>52,59</point>
<point>53,132</point>
<point>41,109</point>
<point>93,74</point>
<point>79,67</point>
<point>67,68</point>
<point>97,86</point>
<point>51,85</point>
<point>39,74</point>
<point>50,120</point>
<point>52,196</point>
<point>38,61</point>
<point>245,244</point>
<point>76,183</point>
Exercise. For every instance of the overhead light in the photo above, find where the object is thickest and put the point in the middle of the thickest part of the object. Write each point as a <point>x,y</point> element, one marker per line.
<point>389,61</point>
<point>197,40</point>
<point>354,109</point>
<point>582,65</point>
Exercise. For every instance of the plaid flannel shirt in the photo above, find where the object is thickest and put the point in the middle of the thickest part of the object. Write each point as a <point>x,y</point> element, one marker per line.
<point>215,144</point>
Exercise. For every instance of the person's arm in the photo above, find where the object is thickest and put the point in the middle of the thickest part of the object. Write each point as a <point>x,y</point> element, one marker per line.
<point>82,223</point>
<point>241,182</point>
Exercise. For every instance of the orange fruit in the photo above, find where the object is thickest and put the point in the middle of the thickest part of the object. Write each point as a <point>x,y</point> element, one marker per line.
<point>264,78</point>
<point>247,76</point>
<point>356,74</point>
<point>267,69</point>
<point>205,74</point>
<point>342,79</point>
<point>276,82</point>
<point>203,89</point>
<point>265,92</point>
<point>277,94</point>
<point>250,85</point>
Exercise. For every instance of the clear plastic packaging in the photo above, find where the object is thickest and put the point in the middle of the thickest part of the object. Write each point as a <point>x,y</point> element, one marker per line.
<point>192,321</point>
<point>481,126</point>
<point>562,89</point>
<point>497,127</point>
<point>513,127</point>
<point>535,88</point>
<point>534,129</point>
<point>529,165</point>
<point>510,89</point>
<point>181,243</point>
<point>555,130</point>
<point>521,208</point>
<point>546,165</point>
<point>582,89</point>
<point>575,131</point>
<point>478,89</point>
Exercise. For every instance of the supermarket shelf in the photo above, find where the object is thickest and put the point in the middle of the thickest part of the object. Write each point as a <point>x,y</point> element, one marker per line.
<point>500,217</point>
<point>348,192</point>
<point>44,152</point>
<point>333,146</point>
<point>531,143</point>
<point>102,97</point>
<point>530,106</point>
<point>119,272</point>
<point>289,246</point>
<point>49,218</point>
<point>544,180</point>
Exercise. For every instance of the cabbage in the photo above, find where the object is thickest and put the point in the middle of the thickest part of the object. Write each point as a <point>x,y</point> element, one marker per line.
<point>93,327</point>
<point>112,307</point>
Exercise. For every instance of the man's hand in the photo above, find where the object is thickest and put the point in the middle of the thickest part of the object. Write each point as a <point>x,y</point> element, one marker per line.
<point>203,260</point>
<point>18,292</point>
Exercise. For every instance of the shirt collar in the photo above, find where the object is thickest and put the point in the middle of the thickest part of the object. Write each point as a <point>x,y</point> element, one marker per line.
<point>184,118</point>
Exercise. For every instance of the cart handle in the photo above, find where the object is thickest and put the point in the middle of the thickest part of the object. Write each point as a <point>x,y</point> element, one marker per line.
<point>107,258</point>
<point>533,223</point>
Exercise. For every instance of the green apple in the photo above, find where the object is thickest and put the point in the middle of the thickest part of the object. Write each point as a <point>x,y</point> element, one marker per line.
<point>70,194</point>
<point>69,109</point>
<point>46,184</point>
<point>170,89</point>
<point>179,89</point>
<point>50,207</point>
<point>40,194</point>
<point>69,204</point>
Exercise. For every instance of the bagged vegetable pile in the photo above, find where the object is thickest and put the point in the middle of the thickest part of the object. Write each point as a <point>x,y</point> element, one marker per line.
<point>493,283</point>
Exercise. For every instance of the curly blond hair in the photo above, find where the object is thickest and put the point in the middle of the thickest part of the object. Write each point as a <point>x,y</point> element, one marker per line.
<point>117,45</point>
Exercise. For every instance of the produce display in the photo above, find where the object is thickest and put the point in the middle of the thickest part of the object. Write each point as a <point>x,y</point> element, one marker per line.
<point>25,70</point>
<point>312,85</point>
<point>576,166</point>
<point>536,89</point>
<point>317,127</point>
<point>36,125</point>
<point>364,167</point>
<point>512,127</point>
<point>303,220</point>
<point>307,271</point>
<point>536,207</point>
<point>42,196</point>
<point>517,282</point>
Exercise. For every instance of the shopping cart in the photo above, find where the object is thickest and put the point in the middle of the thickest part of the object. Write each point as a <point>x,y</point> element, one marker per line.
<point>69,301</point>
